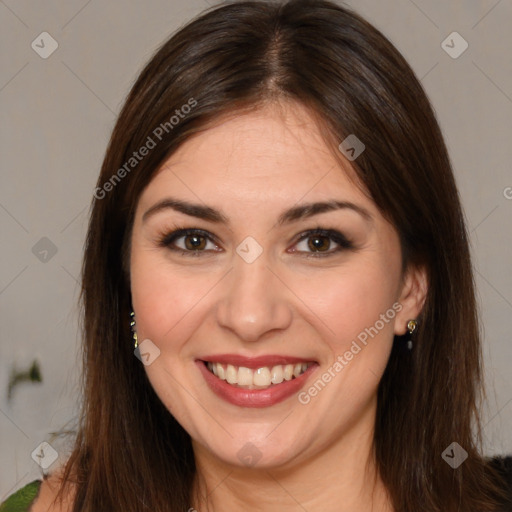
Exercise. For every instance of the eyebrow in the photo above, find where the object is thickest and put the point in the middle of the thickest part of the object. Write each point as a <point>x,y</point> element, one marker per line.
<point>291,215</point>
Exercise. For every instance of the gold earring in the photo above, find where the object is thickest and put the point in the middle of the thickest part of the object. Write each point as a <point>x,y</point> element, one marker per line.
<point>132,327</point>
<point>411,327</point>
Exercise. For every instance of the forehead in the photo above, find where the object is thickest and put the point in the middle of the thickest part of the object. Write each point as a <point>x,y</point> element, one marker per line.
<point>272,155</point>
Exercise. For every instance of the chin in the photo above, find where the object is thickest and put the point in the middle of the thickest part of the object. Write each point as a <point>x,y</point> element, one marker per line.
<point>253,450</point>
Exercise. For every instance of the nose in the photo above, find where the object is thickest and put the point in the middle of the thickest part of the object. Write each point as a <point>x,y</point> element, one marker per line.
<point>254,301</point>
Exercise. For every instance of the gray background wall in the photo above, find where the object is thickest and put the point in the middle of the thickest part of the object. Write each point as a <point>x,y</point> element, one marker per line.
<point>57,114</point>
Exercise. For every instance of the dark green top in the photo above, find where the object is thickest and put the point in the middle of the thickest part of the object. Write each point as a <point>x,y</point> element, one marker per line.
<point>21,500</point>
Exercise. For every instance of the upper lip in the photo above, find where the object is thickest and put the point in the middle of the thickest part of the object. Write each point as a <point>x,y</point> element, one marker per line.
<point>254,362</point>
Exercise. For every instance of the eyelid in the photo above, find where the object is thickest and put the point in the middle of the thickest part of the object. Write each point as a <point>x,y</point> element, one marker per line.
<point>332,234</point>
<point>167,238</point>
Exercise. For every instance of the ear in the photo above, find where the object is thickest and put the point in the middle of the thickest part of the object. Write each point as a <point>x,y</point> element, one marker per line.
<point>412,297</point>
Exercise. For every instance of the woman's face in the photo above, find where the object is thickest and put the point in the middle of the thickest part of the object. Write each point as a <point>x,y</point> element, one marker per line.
<point>272,336</point>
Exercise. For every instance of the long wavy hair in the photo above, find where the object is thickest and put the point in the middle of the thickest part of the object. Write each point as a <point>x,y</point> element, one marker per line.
<point>130,453</point>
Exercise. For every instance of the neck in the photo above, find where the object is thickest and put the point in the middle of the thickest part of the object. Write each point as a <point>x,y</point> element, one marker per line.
<point>340,477</point>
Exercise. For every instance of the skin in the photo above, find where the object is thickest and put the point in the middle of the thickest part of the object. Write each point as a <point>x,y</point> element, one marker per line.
<point>46,499</point>
<point>252,167</point>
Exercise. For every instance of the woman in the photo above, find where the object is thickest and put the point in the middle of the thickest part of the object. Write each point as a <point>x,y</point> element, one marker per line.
<point>276,235</point>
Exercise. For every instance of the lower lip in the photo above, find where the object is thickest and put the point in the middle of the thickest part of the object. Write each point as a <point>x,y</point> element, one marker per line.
<point>254,397</point>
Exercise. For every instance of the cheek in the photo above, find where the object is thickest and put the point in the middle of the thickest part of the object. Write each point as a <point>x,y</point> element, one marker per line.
<point>165,300</point>
<point>352,300</point>
<point>359,307</point>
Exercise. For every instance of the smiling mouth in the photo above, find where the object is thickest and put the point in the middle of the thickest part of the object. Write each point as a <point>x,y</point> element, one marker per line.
<point>258,378</point>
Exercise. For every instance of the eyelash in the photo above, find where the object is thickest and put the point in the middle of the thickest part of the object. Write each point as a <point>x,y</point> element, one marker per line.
<point>167,239</point>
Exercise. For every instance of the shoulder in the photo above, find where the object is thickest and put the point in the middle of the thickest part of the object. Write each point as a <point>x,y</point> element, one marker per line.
<point>39,496</point>
<point>45,501</point>
<point>503,464</point>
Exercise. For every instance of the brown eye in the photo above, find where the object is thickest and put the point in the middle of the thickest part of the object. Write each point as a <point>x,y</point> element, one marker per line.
<point>319,243</point>
<point>195,242</point>
<point>322,242</point>
<point>190,242</point>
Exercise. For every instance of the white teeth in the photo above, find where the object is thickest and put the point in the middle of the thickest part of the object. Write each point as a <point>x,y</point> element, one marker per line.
<point>259,378</point>
<point>288,372</point>
<point>231,374</point>
<point>244,376</point>
<point>277,374</point>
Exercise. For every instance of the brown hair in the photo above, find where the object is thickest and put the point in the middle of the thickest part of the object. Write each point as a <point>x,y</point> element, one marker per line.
<point>130,453</point>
